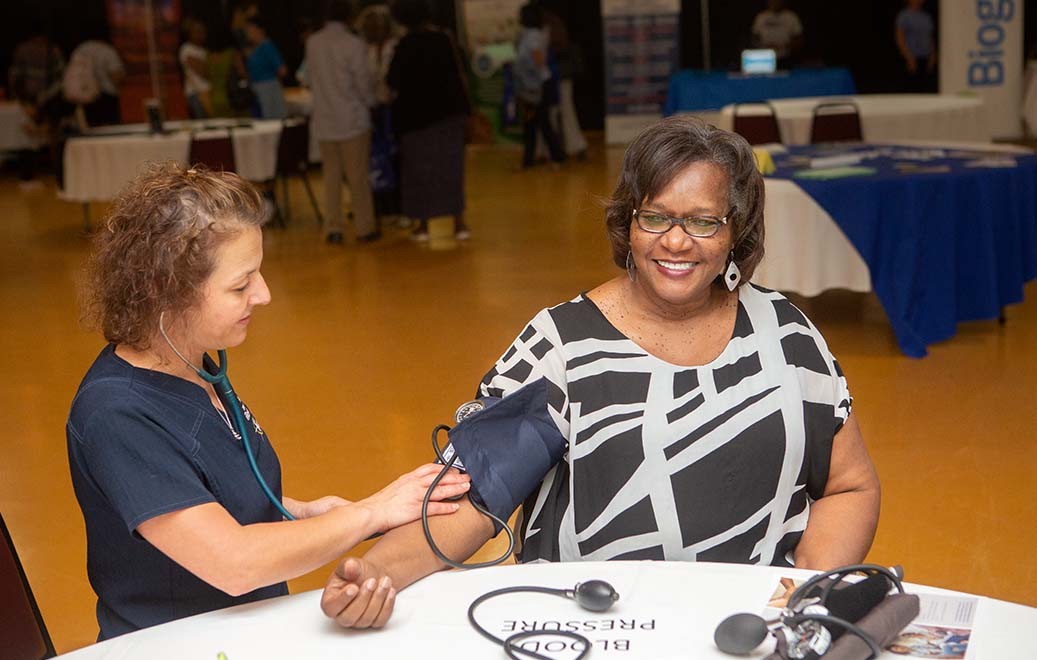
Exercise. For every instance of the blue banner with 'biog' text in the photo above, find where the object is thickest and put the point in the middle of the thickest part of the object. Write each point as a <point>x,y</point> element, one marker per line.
<point>981,53</point>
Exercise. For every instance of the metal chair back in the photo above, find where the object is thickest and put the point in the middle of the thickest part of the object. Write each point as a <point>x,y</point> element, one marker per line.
<point>838,121</point>
<point>293,159</point>
<point>759,125</point>
<point>215,153</point>
<point>293,149</point>
<point>23,635</point>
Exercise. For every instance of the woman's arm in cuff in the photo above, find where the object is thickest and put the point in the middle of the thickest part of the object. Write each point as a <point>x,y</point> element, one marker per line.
<point>404,553</point>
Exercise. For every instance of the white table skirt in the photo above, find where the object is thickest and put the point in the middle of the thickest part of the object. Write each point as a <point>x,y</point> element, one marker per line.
<point>886,117</point>
<point>805,252</point>
<point>665,610</point>
<point>97,167</point>
<point>14,128</point>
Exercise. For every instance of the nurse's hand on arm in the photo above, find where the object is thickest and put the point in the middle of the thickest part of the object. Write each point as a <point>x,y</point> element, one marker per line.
<point>302,509</point>
<point>357,594</point>
<point>207,541</point>
<point>842,523</point>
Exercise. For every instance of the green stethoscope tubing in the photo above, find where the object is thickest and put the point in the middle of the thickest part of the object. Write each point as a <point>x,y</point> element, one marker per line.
<point>220,380</point>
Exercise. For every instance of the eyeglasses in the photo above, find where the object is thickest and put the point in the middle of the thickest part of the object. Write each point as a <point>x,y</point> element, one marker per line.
<point>699,226</point>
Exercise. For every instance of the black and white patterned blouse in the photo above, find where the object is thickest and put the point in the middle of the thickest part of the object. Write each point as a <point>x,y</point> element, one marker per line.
<point>714,463</point>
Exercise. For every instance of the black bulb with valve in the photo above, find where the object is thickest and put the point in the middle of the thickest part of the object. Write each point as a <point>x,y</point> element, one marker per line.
<point>595,595</point>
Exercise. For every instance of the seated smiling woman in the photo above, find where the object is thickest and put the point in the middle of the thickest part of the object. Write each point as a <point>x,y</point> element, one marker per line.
<point>176,522</point>
<point>703,417</point>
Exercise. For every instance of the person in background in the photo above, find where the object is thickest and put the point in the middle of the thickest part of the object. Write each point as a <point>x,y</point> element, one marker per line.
<point>108,72</point>
<point>343,93</point>
<point>266,69</point>
<point>917,46</point>
<point>225,66</point>
<point>34,77</point>
<point>304,28</point>
<point>242,12</point>
<point>565,54</point>
<point>194,60</point>
<point>430,110</point>
<point>533,85</point>
<point>34,80</point>
<point>778,28</point>
<point>376,25</point>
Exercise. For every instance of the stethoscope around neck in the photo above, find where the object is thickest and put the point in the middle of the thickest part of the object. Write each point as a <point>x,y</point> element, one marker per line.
<point>221,382</point>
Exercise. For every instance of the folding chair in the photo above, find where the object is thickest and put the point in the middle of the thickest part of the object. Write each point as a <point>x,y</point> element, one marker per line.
<point>23,635</point>
<point>216,153</point>
<point>759,125</point>
<point>293,159</point>
<point>836,121</point>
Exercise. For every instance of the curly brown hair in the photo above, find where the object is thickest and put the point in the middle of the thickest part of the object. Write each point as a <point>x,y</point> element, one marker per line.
<point>158,245</point>
<point>665,149</point>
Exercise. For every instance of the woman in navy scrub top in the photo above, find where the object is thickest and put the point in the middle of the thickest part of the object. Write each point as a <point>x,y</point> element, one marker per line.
<point>176,523</point>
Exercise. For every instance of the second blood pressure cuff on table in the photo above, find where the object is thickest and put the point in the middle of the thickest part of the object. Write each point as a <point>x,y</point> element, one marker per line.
<point>508,447</point>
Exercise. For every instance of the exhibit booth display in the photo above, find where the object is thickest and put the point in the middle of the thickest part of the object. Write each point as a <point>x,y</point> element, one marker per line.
<point>642,47</point>
<point>981,53</point>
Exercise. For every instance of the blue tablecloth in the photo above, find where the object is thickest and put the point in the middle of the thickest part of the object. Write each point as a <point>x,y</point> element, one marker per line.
<point>945,240</point>
<point>692,90</point>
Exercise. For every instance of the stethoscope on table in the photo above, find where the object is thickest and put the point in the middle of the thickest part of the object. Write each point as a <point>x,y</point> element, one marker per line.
<point>236,418</point>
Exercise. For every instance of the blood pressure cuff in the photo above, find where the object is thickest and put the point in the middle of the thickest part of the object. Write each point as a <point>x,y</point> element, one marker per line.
<point>883,623</point>
<point>508,447</point>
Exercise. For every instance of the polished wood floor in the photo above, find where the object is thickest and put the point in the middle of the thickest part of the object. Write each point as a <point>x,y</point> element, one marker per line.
<point>364,349</point>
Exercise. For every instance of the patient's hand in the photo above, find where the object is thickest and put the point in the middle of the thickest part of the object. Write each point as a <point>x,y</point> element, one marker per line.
<point>359,594</point>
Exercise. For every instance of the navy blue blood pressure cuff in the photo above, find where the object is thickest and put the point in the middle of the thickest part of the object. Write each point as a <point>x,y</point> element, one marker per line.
<point>508,447</point>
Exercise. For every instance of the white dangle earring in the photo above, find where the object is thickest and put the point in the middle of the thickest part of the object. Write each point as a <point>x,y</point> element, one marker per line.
<point>732,276</point>
<point>631,268</point>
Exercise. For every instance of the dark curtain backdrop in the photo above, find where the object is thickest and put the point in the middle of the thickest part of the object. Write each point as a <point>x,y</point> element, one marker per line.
<point>854,34</point>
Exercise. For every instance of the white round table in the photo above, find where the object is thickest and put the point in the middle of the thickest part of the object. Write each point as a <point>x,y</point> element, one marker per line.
<point>665,610</point>
<point>886,117</point>
<point>99,165</point>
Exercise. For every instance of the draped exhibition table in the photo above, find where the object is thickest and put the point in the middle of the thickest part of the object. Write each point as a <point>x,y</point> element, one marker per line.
<point>885,117</point>
<point>665,610</point>
<point>98,165</point>
<point>692,90</point>
<point>14,128</point>
<point>940,235</point>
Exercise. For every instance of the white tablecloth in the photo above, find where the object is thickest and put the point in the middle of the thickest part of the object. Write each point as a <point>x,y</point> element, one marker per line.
<point>886,117</point>
<point>97,167</point>
<point>13,128</point>
<point>665,610</point>
<point>805,252</point>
